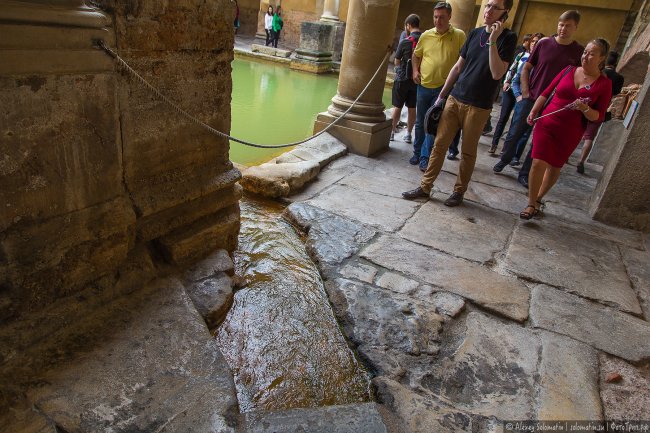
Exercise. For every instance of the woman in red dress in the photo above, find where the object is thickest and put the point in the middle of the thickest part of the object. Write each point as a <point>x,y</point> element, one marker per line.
<point>581,94</point>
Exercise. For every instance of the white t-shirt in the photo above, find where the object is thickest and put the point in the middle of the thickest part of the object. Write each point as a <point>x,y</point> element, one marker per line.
<point>268,21</point>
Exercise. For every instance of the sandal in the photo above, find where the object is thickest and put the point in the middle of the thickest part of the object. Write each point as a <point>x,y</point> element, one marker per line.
<point>539,210</point>
<point>526,214</point>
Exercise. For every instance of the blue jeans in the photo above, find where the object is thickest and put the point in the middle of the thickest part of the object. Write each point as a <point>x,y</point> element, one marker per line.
<point>518,127</point>
<point>425,99</point>
<point>521,144</point>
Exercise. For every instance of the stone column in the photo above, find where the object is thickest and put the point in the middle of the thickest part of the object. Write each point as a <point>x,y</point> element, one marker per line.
<point>368,37</point>
<point>330,11</point>
<point>462,12</point>
<point>622,196</point>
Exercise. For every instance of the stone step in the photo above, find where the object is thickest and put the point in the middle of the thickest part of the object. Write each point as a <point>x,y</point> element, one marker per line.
<point>270,51</point>
<point>351,418</point>
<point>157,368</point>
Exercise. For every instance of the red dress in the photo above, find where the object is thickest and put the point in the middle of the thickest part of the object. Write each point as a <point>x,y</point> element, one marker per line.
<point>555,137</point>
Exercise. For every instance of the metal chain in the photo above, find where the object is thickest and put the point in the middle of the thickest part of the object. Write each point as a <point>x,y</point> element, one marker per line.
<point>188,116</point>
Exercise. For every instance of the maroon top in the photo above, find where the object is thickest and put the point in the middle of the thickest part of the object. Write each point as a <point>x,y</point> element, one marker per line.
<point>548,59</point>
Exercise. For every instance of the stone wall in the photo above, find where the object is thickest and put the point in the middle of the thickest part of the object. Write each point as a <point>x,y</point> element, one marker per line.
<point>99,181</point>
<point>634,62</point>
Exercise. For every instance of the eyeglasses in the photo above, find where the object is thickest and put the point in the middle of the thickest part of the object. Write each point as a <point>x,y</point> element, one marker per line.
<point>493,6</point>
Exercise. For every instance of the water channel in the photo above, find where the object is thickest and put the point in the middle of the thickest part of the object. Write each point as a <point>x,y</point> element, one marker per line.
<point>280,337</point>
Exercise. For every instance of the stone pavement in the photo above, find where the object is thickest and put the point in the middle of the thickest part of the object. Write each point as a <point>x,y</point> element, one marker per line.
<point>469,316</point>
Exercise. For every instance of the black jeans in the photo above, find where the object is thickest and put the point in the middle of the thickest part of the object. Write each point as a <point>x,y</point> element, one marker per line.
<point>276,37</point>
<point>507,104</point>
<point>269,37</point>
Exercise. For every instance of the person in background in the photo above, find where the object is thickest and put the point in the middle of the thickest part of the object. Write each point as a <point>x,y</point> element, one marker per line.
<point>525,45</point>
<point>268,25</point>
<point>551,56</point>
<point>404,88</point>
<point>508,96</point>
<point>277,25</point>
<point>579,95</point>
<point>592,128</point>
<point>434,56</point>
<point>471,85</point>
<point>236,22</point>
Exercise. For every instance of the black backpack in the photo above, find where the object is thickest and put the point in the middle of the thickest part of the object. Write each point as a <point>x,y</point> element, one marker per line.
<point>407,61</point>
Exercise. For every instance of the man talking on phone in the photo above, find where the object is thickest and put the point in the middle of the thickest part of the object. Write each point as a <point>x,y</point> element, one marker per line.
<point>470,87</point>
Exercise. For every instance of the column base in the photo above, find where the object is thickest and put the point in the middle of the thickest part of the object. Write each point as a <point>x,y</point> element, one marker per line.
<point>311,66</point>
<point>361,138</point>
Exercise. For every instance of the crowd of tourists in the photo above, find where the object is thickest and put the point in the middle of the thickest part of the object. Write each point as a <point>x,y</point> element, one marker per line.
<point>556,90</point>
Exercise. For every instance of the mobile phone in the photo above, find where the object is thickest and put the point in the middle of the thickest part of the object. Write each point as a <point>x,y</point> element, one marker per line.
<point>504,18</point>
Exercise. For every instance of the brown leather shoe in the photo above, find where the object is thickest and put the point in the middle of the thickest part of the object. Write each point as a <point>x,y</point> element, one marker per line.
<point>454,199</point>
<point>415,193</point>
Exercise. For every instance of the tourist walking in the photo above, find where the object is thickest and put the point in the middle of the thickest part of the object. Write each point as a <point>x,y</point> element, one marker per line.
<point>435,55</point>
<point>404,88</point>
<point>592,128</point>
<point>277,25</point>
<point>483,61</point>
<point>236,21</point>
<point>268,25</point>
<point>511,93</point>
<point>577,95</point>
<point>551,55</point>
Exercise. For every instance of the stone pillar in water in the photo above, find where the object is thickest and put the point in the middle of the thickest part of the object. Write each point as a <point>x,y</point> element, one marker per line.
<point>330,11</point>
<point>368,37</point>
<point>331,17</point>
<point>315,52</point>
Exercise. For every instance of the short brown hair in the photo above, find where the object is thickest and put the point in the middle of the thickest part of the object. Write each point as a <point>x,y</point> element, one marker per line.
<point>413,20</point>
<point>572,15</point>
<point>442,5</point>
<point>507,4</point>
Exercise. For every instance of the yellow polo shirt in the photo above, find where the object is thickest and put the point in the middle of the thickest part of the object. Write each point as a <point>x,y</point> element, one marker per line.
<point>439,53</point>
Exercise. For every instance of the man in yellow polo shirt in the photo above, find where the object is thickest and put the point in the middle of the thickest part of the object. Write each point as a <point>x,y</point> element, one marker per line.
<point>434,56</point>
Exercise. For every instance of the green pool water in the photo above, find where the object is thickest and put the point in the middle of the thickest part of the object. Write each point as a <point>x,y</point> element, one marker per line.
<point>272,104</point>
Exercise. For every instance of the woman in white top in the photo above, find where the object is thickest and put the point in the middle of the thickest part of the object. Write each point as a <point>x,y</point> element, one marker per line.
<point>268,25</point>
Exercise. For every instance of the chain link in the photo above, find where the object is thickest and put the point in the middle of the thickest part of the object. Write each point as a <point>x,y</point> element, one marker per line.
<point>204,125</point>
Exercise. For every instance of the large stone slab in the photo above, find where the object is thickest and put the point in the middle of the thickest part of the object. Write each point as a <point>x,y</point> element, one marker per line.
<point>331,238</point>
<point>385,212</point>
<point>583,264</point>
<point>627,398</point>
<point>418,413</point>
<point>322,149</point>
<point>158,367</point>
<point>279,180</point>
<point>491,372</point>
<point>602,327</point>
<point>472,232</point>
<point>351,418</point>
<point>568,374</point>
<point>498,293</point>
<point>368,180</point>
<point>637,264</point>
<point>398,321</point>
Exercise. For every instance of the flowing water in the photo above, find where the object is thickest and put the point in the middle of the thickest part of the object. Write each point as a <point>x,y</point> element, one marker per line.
<point>272,104</point>
<point>280,337</point>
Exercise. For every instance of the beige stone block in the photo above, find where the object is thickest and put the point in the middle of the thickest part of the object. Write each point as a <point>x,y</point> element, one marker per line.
<point>312,67</point>
<point>361,138</point>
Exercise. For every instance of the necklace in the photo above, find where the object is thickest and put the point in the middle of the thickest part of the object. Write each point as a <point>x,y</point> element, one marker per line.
<point>480,39</point>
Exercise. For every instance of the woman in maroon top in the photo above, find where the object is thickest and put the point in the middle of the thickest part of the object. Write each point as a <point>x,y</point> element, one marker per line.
<point>581,94</point>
